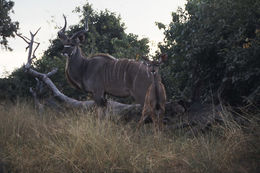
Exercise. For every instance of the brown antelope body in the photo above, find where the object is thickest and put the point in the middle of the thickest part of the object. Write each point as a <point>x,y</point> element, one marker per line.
<point>102,73</point>
<point>155,99</point>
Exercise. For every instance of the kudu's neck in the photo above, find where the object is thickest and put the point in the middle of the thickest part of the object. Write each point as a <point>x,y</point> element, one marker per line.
<point>74,67</point>
<point>156,79</point>
<point>75,59</point>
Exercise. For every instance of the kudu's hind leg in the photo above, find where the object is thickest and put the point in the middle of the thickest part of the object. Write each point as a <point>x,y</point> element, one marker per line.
<point>161,121</point>
<point>100,99</point>
<point>155,122</point>
<point>145,114</point>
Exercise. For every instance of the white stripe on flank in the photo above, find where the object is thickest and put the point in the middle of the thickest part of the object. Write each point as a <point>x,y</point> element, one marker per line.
<point>114,69</point>
<point>125,77</point>
<point>136,76</point>
<point>125,73</point>
<point>118,71</point>
<point>147,71</point>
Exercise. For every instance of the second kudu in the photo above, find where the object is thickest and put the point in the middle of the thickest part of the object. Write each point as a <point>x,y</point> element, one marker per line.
<point>102,73</point>
<point>155,99</point>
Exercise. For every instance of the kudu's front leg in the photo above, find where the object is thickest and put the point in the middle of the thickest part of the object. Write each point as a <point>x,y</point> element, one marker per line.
<point>101,103</point>
<point>99,98</point>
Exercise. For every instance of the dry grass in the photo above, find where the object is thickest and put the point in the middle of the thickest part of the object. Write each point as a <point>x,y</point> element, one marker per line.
<point>78,142</point>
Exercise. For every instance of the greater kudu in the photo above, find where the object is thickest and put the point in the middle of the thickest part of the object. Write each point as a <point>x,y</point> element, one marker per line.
<point>155,99</point>
<point>102,73</point>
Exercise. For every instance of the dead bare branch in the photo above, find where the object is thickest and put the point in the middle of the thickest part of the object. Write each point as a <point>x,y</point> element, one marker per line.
<point>38,44</point>
<point>37,103</point>
<point>52,72</point>
<point>26,39</point>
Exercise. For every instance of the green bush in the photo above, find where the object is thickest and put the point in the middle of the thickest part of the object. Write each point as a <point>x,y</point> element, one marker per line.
<point>214,50</point>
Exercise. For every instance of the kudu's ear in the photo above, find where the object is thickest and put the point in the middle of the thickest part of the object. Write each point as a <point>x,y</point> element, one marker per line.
<point>81,37</point>
<point>81,34</point>
<point>146,60</point>
<point>164,57</point>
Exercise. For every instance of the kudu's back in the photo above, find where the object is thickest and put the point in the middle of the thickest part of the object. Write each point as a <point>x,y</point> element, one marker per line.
<point>118,77</point>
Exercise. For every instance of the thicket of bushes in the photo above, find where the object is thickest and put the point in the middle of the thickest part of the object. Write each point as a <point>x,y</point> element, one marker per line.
<point>214,51</point>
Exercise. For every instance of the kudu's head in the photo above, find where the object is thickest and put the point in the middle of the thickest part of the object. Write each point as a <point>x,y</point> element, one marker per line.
<point>153,66</point>
<point>70,43</point>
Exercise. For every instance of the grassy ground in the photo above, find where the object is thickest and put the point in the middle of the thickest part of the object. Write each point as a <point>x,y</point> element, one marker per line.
<point>78,142</point>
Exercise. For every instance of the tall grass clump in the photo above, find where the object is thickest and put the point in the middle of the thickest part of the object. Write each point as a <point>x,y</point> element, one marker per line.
<point>77,141</point>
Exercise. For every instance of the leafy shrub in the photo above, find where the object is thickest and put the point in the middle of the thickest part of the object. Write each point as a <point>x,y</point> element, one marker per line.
<point>214,50</point>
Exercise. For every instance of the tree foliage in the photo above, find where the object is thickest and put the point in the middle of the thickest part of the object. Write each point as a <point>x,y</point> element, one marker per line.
<point>7,26</point>
<point>214,50</point>
<point>106,34</point>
